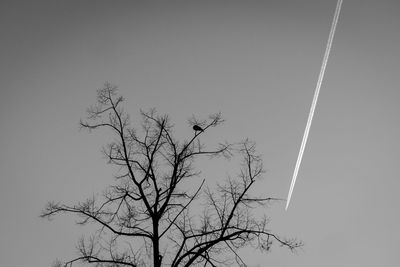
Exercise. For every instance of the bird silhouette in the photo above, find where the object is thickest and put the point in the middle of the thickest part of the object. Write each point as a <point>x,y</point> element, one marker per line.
<point>197,128</point>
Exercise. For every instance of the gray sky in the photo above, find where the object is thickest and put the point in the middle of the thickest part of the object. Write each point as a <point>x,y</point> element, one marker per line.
<point>255,61</point>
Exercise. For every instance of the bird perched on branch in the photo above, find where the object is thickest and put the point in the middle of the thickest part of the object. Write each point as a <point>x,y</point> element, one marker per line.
<point>197,128</point>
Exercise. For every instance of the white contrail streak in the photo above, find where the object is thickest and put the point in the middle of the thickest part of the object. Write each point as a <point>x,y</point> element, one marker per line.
<point>315,99</point>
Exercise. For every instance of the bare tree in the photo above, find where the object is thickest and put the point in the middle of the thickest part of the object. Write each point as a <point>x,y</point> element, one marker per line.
<point>153,215</point>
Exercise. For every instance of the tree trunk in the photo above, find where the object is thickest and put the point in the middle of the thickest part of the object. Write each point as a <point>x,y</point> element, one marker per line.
<point>157,258</point>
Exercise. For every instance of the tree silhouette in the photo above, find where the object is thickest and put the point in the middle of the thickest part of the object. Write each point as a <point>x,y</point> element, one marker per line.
<point>154,215</point>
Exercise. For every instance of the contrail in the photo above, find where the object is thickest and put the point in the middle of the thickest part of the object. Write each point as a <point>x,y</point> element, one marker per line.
<point>315,99</point>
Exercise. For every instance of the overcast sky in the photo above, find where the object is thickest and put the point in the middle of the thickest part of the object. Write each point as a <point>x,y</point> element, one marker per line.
<point>255,61</point>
